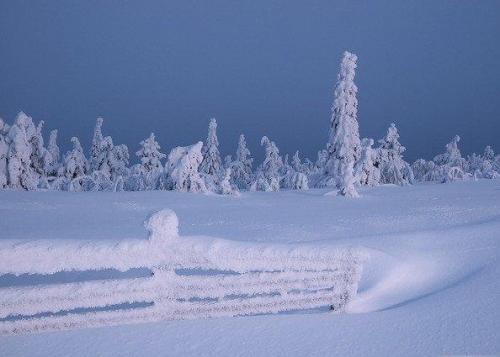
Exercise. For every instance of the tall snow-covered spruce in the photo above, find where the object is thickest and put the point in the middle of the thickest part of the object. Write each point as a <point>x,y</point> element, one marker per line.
<point>212,163</point>
<point>96,148</point>
<point>343,147</point>
<point>21,174</point>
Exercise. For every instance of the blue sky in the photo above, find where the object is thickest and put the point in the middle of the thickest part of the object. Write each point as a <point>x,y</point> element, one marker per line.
<point>259,67</point>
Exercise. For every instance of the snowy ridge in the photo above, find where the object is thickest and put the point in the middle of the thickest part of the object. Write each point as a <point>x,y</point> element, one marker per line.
<point>263,278</point>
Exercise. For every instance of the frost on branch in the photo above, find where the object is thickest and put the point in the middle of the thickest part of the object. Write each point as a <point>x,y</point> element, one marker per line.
<point>163,226</point>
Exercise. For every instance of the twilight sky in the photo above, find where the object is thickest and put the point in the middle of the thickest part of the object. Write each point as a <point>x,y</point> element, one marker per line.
<point>259,67</point>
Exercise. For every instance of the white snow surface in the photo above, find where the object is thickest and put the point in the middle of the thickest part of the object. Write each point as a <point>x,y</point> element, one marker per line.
<point>430,285</point>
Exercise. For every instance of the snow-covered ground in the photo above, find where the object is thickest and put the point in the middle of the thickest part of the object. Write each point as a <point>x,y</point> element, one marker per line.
<point>430,286</point>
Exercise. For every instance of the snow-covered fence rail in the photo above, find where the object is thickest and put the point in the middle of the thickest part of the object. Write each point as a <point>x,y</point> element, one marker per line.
<point>190,278</point>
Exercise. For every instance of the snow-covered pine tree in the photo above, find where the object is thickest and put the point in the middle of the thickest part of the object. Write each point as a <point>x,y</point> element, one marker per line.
<point>366,168</point>
<point>347,180</point>
<point>75,163</point>
<point>149,154</point>
<point>321,160</point>
<point>4,151</point>
<point>393,169</point>
<point>228,162</point>
<point>241,167</point>
<point>95,149</point>
<point>150,161</point>
<point>268,177</point>
<point>182,169</point>
<point>496,164</point>
<point>53,165</point>
<point>343,147</point>
<point>211,164</point>
<point>20,171</point>
<point>426,171</point>
<point>489,154</point>
<point>316,173</point>
<point>451,166</point>
<point>299,180</point>
<point>37,150</point>
<point>452,157</point>
<point>297,163</point>
<point>483,166</point>
<point>118,162</point>
<point>489,165</point>
<point>226,187</point>
<point>102,163</point>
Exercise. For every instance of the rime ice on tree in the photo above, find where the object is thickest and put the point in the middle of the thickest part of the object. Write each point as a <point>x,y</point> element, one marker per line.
<point>393,169</point>
<point>343,147</point>
<point>182,169</point>
<point>268,177</point>
<point>241,167</point>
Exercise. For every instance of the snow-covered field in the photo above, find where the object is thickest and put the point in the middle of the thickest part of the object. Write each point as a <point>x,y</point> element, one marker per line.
<point>431,284</point>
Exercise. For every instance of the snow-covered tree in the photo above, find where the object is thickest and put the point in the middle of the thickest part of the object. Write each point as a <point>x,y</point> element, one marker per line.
<point>53,166</point>
<point>149,154</point>
<point>268,173</point>
<point>102,163</point>
<point>118,162</point>
<point>446,167</point>
<point>347,181</point>
<point>489,154</point>
<point>4,152</point>
<point>150,161</point>
<point>452,157</point>
<point>496,164</point>
<point>75,163</point>
<point>366,168</point>
<point>20,171</point>
<point>182,169</point>
<point>95,150</point>
<point>483,166</point>
<point>489,169</point>
<point>226,187</point>
<point>343,147</point>
<point>393,169</point>
<point>211,164</point>
<point>427,171</point>
<point>297,164</point>
<point>35,139</point>
<point>241,167</point>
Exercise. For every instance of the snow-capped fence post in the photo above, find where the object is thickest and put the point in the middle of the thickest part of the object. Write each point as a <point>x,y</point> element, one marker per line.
<point>193,278</point>
<point>163,226</point>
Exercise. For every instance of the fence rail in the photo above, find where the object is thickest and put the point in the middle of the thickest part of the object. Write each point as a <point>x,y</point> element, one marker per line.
<point>218,278</point>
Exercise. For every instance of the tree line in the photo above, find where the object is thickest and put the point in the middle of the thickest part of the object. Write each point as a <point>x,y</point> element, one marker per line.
<point>345,164</point>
